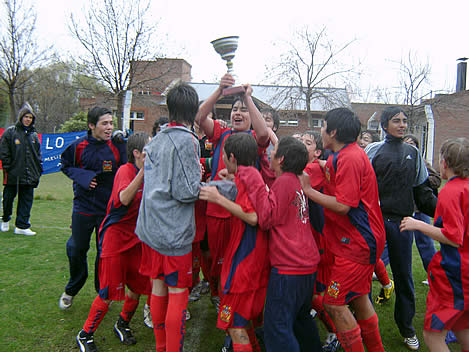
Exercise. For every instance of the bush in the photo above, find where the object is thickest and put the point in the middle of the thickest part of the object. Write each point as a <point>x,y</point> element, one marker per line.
<point>76,123</point>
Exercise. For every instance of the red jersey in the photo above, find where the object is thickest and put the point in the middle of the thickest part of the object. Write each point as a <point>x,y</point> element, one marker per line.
<point>117,232</point>
<point>359,235</point>
<point>246,262</point>
<point>448,271</point>
<point>218,141</point>
<point>284,211</point>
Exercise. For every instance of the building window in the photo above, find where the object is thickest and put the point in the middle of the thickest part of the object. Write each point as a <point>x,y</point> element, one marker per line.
<point>316,123</point>
<point>137,115</point>
<point>144,92</point>
<point>289,122</point>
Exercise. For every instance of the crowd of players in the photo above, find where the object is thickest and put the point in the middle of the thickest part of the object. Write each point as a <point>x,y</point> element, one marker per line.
<point>282,230</point>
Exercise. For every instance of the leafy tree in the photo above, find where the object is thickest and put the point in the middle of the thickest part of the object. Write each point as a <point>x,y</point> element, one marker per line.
<point>76,123</point>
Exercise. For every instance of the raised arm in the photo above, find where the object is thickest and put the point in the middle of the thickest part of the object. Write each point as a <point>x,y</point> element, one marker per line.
<point>128,194</point>
<point>257,121</point>
<point>202,118</point>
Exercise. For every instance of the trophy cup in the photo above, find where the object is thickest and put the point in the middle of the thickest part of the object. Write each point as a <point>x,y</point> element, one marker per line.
<point>226,47</point>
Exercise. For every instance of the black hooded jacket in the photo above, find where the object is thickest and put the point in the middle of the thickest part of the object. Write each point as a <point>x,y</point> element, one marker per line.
<point>20,152</point>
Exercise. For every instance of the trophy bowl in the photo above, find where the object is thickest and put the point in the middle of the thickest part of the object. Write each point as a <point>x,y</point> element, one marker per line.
<point>226,48</point>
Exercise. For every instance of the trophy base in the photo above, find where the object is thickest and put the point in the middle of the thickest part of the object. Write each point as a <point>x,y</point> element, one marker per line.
<point>239,90</point>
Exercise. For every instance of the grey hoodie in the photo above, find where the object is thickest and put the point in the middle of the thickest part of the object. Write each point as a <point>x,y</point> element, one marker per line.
<point>172,174</point>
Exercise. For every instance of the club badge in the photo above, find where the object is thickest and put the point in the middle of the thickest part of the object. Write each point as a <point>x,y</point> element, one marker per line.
<point>225,313</point>
<point>107,166</point>
<point>333,289</point>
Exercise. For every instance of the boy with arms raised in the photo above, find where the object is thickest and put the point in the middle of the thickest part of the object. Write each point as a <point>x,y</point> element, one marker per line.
<point>354,231</point>
<point>292,250</point>
<point>448,271</point>
<point>244,113</point>
<point>120,250</point>
<point>245,269</point>
<point>166,222</point>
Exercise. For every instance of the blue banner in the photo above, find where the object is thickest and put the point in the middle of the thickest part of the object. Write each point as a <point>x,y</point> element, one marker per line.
<point>52,146</point>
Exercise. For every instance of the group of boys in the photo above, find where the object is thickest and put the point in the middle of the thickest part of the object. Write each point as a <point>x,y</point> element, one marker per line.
<point>273,252</point>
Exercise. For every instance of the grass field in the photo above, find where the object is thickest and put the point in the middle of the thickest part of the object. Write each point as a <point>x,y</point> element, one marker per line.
<point>34,271</point>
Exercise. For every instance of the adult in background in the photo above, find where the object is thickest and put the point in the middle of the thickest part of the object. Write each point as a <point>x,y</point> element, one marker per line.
<point>20,152</point>
<point>91,162</point>
<point>401,174</point>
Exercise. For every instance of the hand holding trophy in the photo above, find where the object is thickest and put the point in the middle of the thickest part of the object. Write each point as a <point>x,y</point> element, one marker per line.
<point>226,47</point>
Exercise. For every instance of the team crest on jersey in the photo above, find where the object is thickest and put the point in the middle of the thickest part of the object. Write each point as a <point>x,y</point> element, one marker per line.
<point>17,141</point>
<point>107,165</point>
<point>300,203</point>
<point>333,289</point>
<point>225,313</point>
<point>327,174</point>
<point>208,145</point>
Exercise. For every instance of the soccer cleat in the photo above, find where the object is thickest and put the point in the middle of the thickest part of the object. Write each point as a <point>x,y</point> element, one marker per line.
<point>412,343</point>
<point>123,332</point>
<point>188,314</point>
<point>5,226</point>
<point>204,287</point>
<point>385,294</point>
<point>195,293</point>
<point>331,344</point>
<point>26,232</point>
<point>227,345</point>
<point>147,316</point>
<point>86,342</point>
<point>65,301</point>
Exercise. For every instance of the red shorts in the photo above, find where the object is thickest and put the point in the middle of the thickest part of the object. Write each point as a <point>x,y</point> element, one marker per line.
<point>176,271</point>
<point>348,280</point>
<point>237,309</point>
<point>122,270</point>
<point>324,272</point>
<point>439,318</point>
<point>218,232</point>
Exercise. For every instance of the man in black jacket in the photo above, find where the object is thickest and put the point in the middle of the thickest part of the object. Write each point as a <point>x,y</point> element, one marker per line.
<point>401,174</point>
<point>20,152</point>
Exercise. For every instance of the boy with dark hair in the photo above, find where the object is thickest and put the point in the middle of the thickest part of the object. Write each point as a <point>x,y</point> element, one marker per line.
<point>292,252</point>
<point>166,223</point>
<point>244,114</point>
<point>448,272</point>
<point>401,174</point>
<point>120,250</point>
<point>354,231</point>
<point>91,162</point>
<point>245,269</point>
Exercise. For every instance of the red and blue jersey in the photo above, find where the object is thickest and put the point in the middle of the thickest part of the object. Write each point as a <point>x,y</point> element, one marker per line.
<point>246,262</point>
<point>359,235</point>
<point>89,158</point>
<point>117,232</point>
<point>449,268</point>
<point>218,140</point>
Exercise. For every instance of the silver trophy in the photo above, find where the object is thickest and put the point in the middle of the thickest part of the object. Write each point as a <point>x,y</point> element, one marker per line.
<point>226,47</point>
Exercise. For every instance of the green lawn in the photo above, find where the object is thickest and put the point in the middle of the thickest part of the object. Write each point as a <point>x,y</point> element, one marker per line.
<point>34,271</point>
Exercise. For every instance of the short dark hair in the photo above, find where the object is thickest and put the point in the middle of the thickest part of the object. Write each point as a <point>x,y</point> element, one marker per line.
<point>158,123</point>
<point>136,141</point>
<point>373,135</point>
<point>456,154</point>
<point>388,114</point>
<point>317,139</point>
<point>295,155</point>
<point>244,148</point>
<point>95,113</point>
<point>275,116</point>
<point>183,103</point>
<point>346,124</point>
<point>413,138</point>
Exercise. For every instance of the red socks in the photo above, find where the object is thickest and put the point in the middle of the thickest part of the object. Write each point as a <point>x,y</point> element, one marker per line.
<point>253,340</point>
<point>381,273</point>
<point>158,308</point>
<point>370,334</point>
<point>129,308</point>
<point>176,321</point>
<point>242,348</point>
<point>98,310</point>
<point>317,305</point>
<point>351,340</point>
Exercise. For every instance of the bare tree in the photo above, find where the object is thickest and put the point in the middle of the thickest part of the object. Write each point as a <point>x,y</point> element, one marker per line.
<point>308,68</point>
<point>115,34</point>
<point>19,52</point>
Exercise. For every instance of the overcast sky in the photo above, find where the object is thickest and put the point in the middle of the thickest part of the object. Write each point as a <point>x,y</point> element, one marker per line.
<point>384,32</point>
